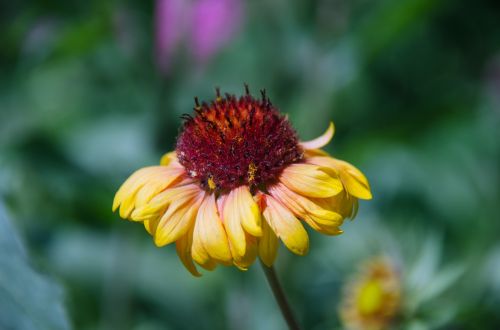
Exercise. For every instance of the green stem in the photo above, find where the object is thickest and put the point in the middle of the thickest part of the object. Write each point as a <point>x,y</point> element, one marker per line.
<point>280,297</point>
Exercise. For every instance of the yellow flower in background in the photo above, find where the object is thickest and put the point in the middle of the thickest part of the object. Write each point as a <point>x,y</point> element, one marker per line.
<point>372,299</point>
<point>238,182</point>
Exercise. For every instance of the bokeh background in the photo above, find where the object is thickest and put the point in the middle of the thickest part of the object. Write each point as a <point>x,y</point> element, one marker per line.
<point>92,90</point>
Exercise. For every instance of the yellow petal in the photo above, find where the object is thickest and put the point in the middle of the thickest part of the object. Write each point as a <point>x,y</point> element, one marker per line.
<point>177,220</point>
<point>133,183</point>
<point>304,207</point>
<point>286,226</point>
<point>127,205</point>
<point>168,158</point>
<point>151,226</point>
<point>153,187</point>
<point>324,229</point>
<point>355,182</point>
<point>232,223</point>
<point>315,152</point>
<point>250,255</point>
<point>310,180</point>
<point>159,204</point>
<point>326,163</point>
<point>343,203</point>
<point>210,231</point>
<point>202,258</point>
<point>353,179</point>
<point>248,210</point>
<point>320,141</point>
<point>200,254</point>
<point>268,245</point>
<point>183,247</point>
<point>130,186</point>
<point>354,210</point>
<point>126,196</point>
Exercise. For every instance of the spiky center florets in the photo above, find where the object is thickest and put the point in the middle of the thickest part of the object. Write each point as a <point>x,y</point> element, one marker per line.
<point>232,142</point>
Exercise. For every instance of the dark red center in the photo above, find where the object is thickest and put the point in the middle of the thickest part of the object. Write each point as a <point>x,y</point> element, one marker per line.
<point>232,142</point>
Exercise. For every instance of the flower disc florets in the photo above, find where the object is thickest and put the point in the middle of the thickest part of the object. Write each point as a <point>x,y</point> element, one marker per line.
<point>232,142</point>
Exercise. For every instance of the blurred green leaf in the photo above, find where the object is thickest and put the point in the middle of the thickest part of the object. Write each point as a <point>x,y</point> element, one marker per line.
<point>28,300</point>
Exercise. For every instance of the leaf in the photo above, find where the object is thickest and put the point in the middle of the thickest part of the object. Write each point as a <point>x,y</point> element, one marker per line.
<point>28,300</point>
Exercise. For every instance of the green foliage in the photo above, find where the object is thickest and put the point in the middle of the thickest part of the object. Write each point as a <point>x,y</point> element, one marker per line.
<point>28,300</point>
<point>413,88</point>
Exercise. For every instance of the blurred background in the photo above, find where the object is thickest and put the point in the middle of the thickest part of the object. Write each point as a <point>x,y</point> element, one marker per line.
<point>92,90</point>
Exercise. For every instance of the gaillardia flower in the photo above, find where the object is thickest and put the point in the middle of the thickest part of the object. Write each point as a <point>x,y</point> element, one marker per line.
<point>372,299</point>
<point>239,181</point>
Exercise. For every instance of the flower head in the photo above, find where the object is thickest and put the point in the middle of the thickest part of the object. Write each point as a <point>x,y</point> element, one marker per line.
<point>373,298</point>
<point>238,182</point>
